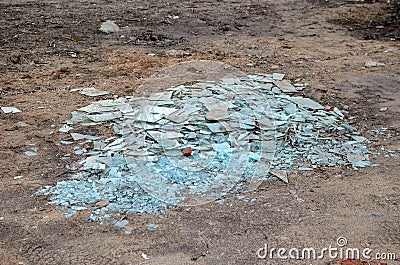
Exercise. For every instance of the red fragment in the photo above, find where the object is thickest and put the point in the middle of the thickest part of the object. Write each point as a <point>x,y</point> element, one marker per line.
<point>187,151</point>
<point>328,108</point>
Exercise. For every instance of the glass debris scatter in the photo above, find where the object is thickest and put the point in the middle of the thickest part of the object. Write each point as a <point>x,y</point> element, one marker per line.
<point>238,131</point>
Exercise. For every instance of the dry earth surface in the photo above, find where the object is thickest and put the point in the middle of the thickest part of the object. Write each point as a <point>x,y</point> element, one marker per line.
<point>48,47</point>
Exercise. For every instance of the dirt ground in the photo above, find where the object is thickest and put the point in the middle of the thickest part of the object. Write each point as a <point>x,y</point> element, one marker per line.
<point>48,47</point>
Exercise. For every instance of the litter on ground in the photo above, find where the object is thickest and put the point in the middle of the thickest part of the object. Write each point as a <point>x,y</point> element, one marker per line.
<point>198,143</point>
<point>10,110</point>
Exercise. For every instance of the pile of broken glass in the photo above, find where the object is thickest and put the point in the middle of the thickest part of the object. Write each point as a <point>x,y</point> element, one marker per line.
<point>240,131</point>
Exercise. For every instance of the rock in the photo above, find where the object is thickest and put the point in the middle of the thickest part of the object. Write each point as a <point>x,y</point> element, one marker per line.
<point>109,27</point>
<point>371,63</point>
<point>383,109</point>
<point>187,151</point>
<point>35,185</point>
<point>103,203</point>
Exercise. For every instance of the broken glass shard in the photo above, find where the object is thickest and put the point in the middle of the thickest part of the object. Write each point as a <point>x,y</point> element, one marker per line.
<point>10,110</point>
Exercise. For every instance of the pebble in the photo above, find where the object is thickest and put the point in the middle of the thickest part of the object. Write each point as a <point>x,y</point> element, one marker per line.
<point>383,109</point>
<point>103,203</point>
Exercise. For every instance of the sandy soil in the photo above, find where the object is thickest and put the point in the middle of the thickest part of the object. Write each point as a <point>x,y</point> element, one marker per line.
<point>48,47</point>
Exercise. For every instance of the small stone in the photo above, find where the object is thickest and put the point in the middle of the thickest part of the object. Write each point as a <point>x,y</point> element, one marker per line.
<point>328,108</point>
<point>346,107</point>
<point>109,27</point>
<point>128,230</point>
<point>103,203</point>
<point>152,227</point>
<point>187,151</point>
<point>371,63</point>
<point>35,185</point>
<point>378,214</point>
<point>383,109</point>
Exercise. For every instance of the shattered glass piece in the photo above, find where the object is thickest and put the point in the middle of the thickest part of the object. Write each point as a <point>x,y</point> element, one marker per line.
<point>10,110</point>
<point>30,153</point>
<point>78,136</point>
<point>285,86</point>
<point>90,91</point>
<point>306,168</point>
<point>77,117</point>
<point>219,127</point>
<point>359,139</point>
<point>230,81</point>
<point>78,208</point>
<point>121,223</point>
<point>282,175</point>
<point>222,148</point>
<point>254,156</point>
<point>339,113</point>
<point>192,135</point>
<point>105,116</point>
<point>300,87</point>
<point>348,127</point>
<point>125,108</point>
<point>275,90</point>
<point>278,76</point>
<point>218,114</point>
<point>80,151</point>
<point>66,142</point>
<point>97,108</point>
<point>306,103</point>
<point>170,144</point>
<point>177,118</point>
<point>65,128</point>
<point>95,162</point>
<point>361,163</point>
<point>152,227</point>
<point>153,114</point>
<point>162,96</point>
